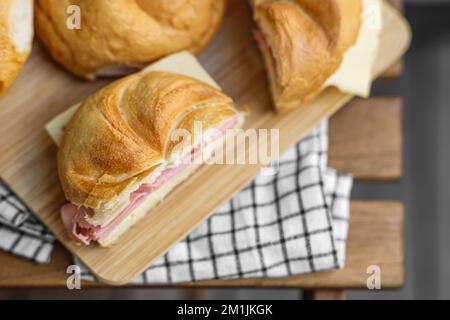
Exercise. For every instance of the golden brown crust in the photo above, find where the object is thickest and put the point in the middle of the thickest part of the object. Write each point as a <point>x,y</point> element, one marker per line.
<point>129,33</point>
<point>121,134</point>
<point>11,61</point>
<point>303,43</point>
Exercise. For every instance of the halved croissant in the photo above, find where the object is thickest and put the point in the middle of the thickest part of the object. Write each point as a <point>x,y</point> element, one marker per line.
<point>303,43</point>
<point>120,36</point>
<point>122,133</point>
<point>119,156</point>
<point>16,36</point>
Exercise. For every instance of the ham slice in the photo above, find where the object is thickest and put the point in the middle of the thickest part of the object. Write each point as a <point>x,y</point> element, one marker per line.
<point>75,218</point>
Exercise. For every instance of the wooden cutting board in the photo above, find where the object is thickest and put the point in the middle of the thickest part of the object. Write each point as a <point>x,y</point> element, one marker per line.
<point>28,156</point>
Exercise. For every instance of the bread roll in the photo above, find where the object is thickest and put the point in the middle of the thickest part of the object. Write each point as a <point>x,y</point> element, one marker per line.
<point>303,43</point>
<point>16,36</point>
<point>120,36</point>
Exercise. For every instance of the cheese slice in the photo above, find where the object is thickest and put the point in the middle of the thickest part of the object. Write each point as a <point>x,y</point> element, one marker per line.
<point>355,74</point>
<point>182,63</point>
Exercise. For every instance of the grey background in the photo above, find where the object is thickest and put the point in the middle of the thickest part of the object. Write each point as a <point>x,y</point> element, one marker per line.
<point>425,188</point>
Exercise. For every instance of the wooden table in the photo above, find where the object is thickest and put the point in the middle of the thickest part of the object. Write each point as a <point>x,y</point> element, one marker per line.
<point>366,140</point>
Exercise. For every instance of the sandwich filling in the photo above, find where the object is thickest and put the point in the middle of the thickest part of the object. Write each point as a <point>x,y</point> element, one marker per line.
<point>76,219</point>
<point>268,52</point>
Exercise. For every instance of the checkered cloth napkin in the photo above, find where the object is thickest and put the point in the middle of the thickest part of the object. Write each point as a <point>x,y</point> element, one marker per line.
<point>292,219</point>
<point>20,232</point>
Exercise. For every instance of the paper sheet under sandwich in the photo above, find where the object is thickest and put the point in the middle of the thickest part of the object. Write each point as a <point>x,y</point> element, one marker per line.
<point>182,63</point>
<point>355,74</point>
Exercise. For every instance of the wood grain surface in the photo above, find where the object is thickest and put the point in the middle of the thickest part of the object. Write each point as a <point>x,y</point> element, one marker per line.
<point>376,238</point>
<point>28,157</point>
<point>324,294</point>
<point>375,145</point>
<point>15,271</point>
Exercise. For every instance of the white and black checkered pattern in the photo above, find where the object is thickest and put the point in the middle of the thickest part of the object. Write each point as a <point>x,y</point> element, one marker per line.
<point>290,223</point>
<point>20,232</point>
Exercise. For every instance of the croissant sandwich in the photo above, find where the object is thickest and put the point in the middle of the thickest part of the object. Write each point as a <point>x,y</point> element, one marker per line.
<point>16,36</point>
<point>303,43</point>
<point>119,156</point>
<point>115,37</point>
